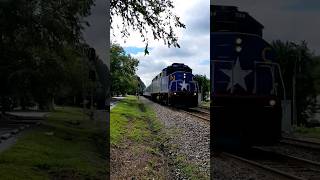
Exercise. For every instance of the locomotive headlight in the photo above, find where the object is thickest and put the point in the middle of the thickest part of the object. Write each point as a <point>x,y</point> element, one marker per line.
<point>175,93</point>
<point>194,94</point>
<point>238,40</point>
<point>272,102</point>
<point>238,48</point>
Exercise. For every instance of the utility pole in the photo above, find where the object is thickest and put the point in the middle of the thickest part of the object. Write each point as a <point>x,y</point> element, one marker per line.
<point>294,97</point>
<point>92,77</point>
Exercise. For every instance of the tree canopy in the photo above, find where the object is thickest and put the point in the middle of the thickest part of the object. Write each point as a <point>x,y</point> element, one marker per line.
<point>204,85</point>
<point>144,16</point>
<point>42,50</point>
<point>297,59</point>
<point>123,72</point>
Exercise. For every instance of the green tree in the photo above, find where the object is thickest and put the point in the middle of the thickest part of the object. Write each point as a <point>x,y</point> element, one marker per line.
<point>123,71</point>
<point>204,85</point>
<point>33,38</point>
<point>316,73</point>
<point>297,60</point>
<point>141,85</point>
<point>144,16</point>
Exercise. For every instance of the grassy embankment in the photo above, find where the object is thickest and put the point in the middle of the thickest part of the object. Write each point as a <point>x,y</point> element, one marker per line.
<point>67,145</point>
<point>205,104</point>
<point>307,132</point>
<point>135,138</point>
<point>138,144</point>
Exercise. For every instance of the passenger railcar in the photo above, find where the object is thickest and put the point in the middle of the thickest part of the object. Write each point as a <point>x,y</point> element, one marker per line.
<point>175,85</point>
<point>246,84</point>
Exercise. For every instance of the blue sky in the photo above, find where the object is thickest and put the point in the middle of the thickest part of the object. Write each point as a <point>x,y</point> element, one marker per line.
<point>194,42</point>
<point>133,50</point>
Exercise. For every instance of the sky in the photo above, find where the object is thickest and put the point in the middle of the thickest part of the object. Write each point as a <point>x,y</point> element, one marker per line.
<point>292,20</point>
<point>287,20</point>
<point>194,43</point>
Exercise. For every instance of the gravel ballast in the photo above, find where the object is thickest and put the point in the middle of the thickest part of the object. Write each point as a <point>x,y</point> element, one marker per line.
<point>190,136</point>
<point>187,136</point>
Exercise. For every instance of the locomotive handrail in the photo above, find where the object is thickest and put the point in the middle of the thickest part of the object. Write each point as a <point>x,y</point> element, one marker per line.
<point>280,74</point>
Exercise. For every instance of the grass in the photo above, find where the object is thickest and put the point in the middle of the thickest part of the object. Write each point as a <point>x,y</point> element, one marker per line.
<point>142,121</point>
<point>135,130</point>
<point>66,146</point>
<point>307,132</point>
<point>205,103</point>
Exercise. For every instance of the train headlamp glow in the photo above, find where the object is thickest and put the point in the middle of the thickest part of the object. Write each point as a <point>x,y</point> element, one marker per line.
<point>175,93</point>
<point>272,102</point>
<point>238,48</point>
<point>194,94</point>
<point>238,40</point>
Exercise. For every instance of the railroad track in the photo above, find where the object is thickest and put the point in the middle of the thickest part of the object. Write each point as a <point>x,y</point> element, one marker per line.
<point>301,143</point>
<point>201,113</point>
<point>280,165</point>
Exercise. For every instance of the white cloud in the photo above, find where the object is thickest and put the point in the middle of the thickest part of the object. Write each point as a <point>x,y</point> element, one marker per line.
<point>194,42</point>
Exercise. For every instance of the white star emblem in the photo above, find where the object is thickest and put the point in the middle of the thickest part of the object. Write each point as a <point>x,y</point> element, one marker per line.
<point>184,85</point>
<point>238,75</point>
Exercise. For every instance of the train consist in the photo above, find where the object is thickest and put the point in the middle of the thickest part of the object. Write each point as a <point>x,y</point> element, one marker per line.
<point>246,83</point>
<point>175,85</point>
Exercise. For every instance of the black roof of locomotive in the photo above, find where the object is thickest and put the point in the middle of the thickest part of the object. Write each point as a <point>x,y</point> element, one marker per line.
<point>177,66</point>
<point>229,19</point>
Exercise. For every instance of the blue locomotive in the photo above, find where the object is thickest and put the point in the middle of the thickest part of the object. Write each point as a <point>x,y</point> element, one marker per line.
<point>175,85</point>
<point>246,83</point>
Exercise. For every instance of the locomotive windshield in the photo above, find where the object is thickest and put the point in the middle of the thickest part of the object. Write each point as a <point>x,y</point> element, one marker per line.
<point>178,67</point>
